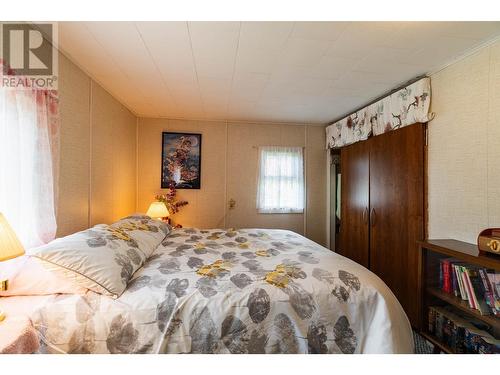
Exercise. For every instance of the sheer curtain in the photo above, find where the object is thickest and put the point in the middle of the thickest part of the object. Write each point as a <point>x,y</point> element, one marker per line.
<point>281,180</point>
<point>29,144</point>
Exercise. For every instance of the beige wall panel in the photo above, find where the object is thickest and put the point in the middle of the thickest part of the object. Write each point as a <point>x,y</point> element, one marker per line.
<point>149,160</point>
<point>73,205</point>
<point>316,184</point>
<point>124,163</point>
<point>493,161</point>
<point>458,149</point>
<point>102,156</point>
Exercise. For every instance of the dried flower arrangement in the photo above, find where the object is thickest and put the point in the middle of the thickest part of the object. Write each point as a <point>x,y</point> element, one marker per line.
<point>169,199</point>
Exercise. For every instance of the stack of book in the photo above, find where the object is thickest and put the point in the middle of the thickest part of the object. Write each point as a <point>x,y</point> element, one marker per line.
<point>461,334</point>
<point>479,286</point>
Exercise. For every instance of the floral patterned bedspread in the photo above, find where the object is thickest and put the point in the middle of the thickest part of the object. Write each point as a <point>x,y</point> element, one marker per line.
<point>233,291</point>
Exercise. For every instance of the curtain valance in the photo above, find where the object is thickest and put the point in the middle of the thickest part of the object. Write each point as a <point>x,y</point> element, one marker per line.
<point>404,107</point>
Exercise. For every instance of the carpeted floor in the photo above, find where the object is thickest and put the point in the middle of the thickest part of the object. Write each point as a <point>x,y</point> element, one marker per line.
<point>422,346</point>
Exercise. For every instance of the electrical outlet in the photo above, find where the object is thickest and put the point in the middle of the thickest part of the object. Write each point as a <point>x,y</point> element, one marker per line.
<point>232,204</point>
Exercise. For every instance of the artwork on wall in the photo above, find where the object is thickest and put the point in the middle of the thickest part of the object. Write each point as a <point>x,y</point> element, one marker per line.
<point>181,160</point>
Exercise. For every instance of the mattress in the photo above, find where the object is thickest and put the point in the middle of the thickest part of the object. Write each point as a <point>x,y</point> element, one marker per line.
<point>232,291</point>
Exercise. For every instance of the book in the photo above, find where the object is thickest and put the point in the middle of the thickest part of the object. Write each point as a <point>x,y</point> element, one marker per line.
<point>468,289</point>
<point>478,291</point>
<point>432,320</point>
<point>458,273</point>
<point>488,345</point>
<point>454,282</point>
<point>446,267</point>
<point>460,333</point>
<point>488,291</point>
<point>495,284</point>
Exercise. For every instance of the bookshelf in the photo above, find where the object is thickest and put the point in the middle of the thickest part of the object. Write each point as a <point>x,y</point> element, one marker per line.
<point>430,254</point>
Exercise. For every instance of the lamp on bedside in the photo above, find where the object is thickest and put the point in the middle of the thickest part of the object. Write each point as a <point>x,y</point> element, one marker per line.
<point>158,210</point>
<point>10,247</point>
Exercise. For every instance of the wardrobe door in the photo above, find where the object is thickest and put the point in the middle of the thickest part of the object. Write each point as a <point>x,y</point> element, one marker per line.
<point>396,211</point>
<point>354,239</point>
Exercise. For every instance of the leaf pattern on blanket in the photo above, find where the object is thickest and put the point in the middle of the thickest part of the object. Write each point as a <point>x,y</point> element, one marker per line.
<point>301,300</point>
<point>207,286</point>
<point>316,338</point>
<point>169,266</point>
<point>323,275</point>
<point>258,342</point>
<point>234,335</point>
<point>341,293</point>
<point>307,257</point>
<point>178,287</point>
<point>139,283</point>
<point>127,268</point>
<point>286,342</point>
<point>203,332</point>
<point>344,336</point>
<point>122,336</point>
<point>349,279</point>
<point>241,280</point>
<point>194,262</point>
<point>259,305</point>
<point>165,310</point>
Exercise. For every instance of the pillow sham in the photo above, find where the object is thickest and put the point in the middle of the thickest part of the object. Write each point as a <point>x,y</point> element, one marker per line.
<point>102,259</point>
<point>30,278</point>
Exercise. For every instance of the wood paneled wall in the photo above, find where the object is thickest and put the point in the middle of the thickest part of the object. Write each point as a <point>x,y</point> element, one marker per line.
<point>97,181</point>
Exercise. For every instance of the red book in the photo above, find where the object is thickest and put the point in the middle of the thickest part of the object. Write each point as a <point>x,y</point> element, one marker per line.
<point>447,284</point>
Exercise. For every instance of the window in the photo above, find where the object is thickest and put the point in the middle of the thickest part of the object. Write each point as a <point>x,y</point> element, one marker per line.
<point>28,162</point>
<point>281,180</point>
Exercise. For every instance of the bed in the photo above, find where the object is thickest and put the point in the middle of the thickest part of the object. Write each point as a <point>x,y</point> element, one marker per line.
<point>231,291</point>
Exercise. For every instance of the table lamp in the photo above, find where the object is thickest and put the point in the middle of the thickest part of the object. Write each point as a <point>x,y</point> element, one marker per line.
<point>10,247</point>
<point>158,210</point>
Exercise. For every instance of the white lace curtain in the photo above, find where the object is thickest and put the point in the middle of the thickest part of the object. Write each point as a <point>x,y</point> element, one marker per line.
<point>281,180</point>
<point>29,143</point>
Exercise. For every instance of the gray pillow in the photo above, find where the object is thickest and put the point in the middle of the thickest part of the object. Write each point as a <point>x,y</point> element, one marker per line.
<point>104,258</point>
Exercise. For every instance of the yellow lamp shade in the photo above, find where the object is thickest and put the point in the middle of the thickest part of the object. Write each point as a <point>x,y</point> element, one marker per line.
<point>157,210</point>
<point>10,246</point>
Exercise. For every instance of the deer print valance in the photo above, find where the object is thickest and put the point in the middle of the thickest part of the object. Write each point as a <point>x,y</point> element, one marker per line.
<point>402,108</point>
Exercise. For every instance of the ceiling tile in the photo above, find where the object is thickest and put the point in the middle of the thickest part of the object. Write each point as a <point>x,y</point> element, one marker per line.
<point>319,30</point>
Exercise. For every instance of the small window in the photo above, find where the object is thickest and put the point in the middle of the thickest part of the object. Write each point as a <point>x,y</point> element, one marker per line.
<point>281,180</point>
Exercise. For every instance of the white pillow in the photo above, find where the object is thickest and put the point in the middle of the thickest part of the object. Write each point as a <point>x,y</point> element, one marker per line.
<point>30,278</point>
<point>104,258</point>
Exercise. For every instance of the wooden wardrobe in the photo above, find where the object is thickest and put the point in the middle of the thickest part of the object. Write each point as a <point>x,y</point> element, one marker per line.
<point>382,209</point>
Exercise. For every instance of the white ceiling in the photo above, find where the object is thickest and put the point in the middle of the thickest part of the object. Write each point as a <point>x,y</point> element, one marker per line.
<point>310,72</point>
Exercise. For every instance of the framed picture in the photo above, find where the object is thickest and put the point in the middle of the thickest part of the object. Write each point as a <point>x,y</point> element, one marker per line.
<point>181,160</point>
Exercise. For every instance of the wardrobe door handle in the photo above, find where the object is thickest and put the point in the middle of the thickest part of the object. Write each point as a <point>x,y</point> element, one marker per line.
<point>373,216</point>
<point>365,215</point>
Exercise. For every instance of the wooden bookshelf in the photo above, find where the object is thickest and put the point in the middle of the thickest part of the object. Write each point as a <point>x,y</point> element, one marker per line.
<point>431,252</point>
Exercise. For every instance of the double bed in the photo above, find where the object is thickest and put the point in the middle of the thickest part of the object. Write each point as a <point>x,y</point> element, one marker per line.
<point>229,291</point>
